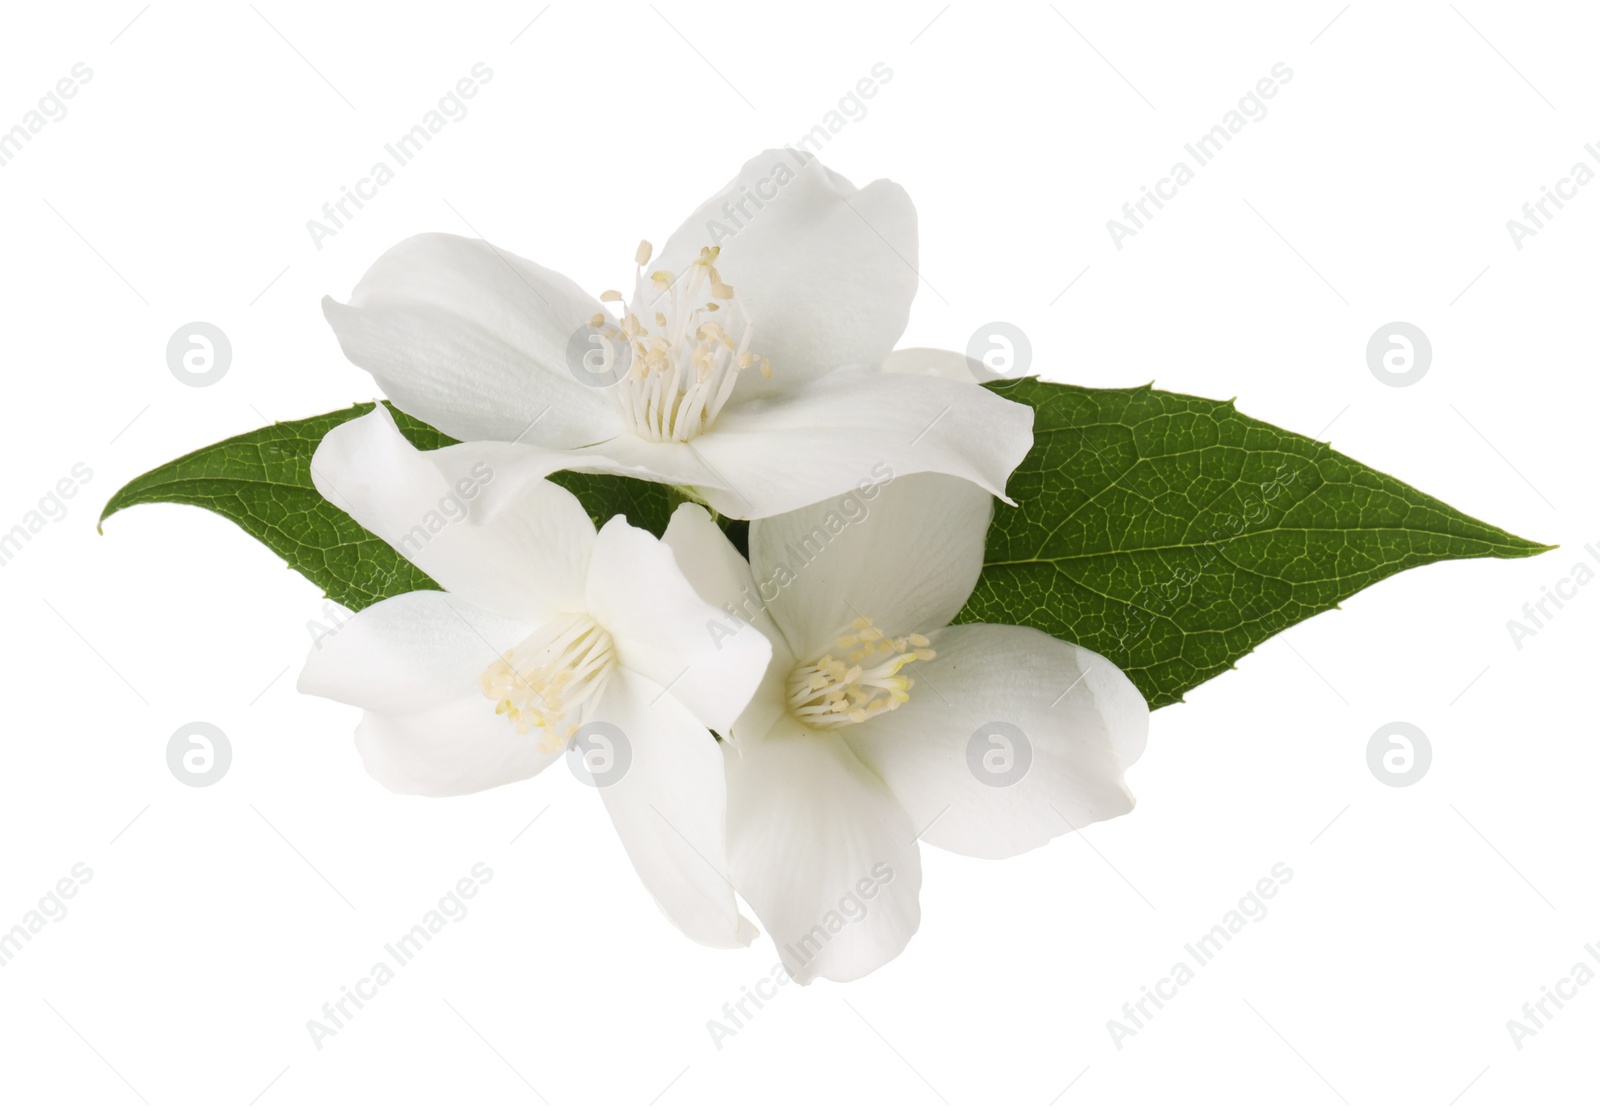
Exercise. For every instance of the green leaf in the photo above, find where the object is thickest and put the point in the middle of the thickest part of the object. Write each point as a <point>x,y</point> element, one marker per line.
<point>261,481</point>
<point>1172,534</point>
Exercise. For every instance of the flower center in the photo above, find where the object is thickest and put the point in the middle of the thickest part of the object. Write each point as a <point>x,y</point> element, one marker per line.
<point>548,681</point>
<point>683,362</point>
<point>862,681</point>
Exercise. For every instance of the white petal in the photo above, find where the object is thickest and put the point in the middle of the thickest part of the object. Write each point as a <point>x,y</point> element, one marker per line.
<point>519,466</point>
<point>628,455</point>
<point>720,575</point>
<point>529,560</point>
<point>1081,722</point>
<point>455,748</point>
<point>669,806</point>
<point>412,662</point>
<point>666,631</point>
<point>930,361</point>
<point>410,652</point>
<point>907,557</point>
<point>822,852</point>
<point>845,427</point>
<point>825,270</point>
<point>473,340</point>
<point>768,457</point>
<point>668,462</point>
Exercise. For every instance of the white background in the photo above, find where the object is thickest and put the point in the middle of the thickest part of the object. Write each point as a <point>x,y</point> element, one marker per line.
<point>1377,188</point>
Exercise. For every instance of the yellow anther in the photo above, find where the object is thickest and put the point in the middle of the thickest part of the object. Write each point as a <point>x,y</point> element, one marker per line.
<point>550,676</point>
<point>829,694</point>
<point>685,351</point>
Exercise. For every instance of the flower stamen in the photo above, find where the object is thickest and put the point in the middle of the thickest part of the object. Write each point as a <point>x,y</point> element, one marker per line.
<point>683,366</point>
<point>548,681</point>
<point>862,681</point>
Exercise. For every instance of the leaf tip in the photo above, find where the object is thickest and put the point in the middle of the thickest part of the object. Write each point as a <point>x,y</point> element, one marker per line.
<point>1526,549</point>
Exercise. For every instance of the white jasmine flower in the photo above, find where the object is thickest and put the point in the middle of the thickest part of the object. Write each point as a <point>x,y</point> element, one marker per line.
<point>745,367</point>
<point>543,627</point>
<point>877,725</point>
